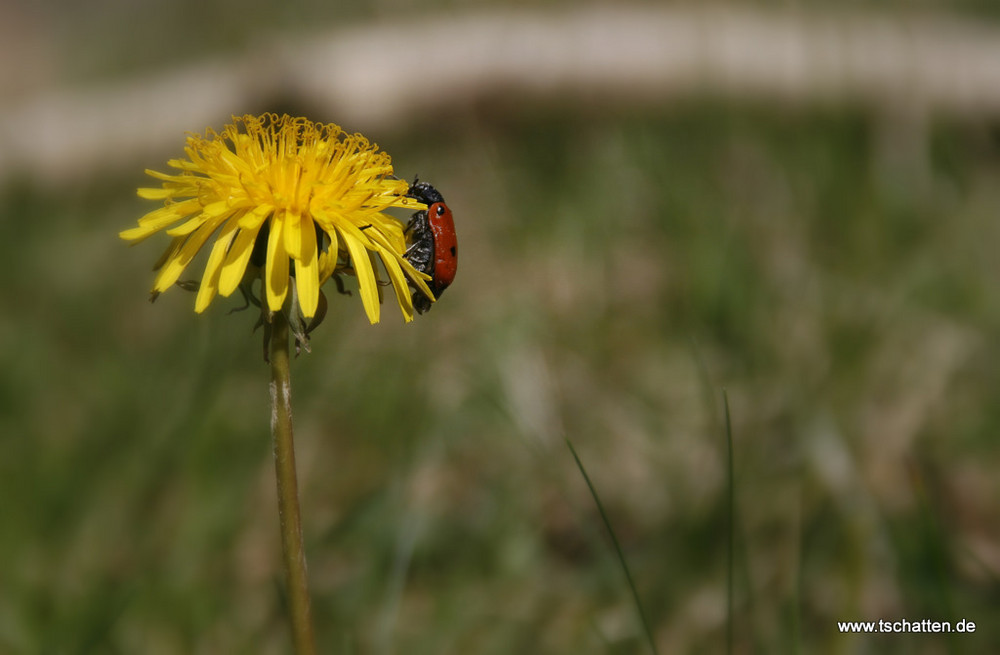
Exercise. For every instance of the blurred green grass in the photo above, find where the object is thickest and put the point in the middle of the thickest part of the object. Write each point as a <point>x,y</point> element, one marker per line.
<point>842,292</point>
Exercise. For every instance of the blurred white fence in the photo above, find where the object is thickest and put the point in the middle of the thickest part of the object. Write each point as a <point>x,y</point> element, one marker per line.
<point>382,75</point>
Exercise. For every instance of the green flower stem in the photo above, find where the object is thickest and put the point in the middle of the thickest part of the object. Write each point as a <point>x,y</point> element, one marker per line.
<point>288,491</point>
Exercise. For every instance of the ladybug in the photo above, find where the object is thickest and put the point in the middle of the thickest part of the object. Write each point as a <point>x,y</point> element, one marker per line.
<point>433,247</point>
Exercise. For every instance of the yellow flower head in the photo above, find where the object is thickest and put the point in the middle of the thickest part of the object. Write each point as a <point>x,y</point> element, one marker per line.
<point>287,199</point>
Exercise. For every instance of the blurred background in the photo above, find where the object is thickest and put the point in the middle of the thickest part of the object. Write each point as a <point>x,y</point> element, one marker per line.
<point>794,202</point>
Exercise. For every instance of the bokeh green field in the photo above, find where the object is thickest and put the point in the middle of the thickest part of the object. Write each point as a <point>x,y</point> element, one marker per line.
<point>833,270</point>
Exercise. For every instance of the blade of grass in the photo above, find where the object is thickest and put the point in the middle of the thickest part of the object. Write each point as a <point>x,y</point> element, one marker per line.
<point>618,548</point>
<point>935,551</point>
<point>730,485</point>
<point>731,528</point>
<point>735,528</point>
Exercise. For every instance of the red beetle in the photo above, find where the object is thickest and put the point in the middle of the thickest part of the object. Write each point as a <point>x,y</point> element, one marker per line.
<point>433,247</point>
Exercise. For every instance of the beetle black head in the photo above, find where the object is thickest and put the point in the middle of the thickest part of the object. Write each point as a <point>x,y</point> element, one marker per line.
<point>424,192</point>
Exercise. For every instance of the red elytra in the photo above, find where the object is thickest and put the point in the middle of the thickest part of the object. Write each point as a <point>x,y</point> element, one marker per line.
<point>445,244</point>
<point>433,246</point>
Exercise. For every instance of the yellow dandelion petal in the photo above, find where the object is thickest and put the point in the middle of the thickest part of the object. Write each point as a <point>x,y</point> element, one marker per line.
<point>388,232</point>
<point>183,165</point>
<point>354,240</point>
<point>168,254</point>
<point>214,213</point>
<point>210,281</point>
<point>391,257</point>
<point>155,194</point>
<point>156,220</point>
<point>181,257</point>
<point>236,165</point>
<point>236,262</point>
<point>307,284</point>
<point>328,259</point>
<point>160,218</point>
<point>390,246</point>
<point>189,226</point>
<point>254,218</point>
<point>137,234</point>
<point>166,177</point>
<point>216,209</point>
<point>276,275</point>
<point>299,238</point>
<point>300,241</point>
<point>399,283</point>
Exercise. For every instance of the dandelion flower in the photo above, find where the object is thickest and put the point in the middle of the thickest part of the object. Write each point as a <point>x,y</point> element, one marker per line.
<point>289,201</point>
